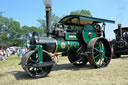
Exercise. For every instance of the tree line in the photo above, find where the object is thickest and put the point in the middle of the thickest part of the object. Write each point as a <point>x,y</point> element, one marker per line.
<point>12,34</point>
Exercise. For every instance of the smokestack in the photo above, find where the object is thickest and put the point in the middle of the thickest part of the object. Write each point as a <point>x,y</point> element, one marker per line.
<point>120,32</point>
<point>48,22</point>
<point>48,4</point>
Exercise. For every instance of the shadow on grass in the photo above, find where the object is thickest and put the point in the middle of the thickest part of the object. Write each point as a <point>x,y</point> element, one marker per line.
<point>116,58</point>
<point>71,67</point>
<point>21,75</point>
<point>124,57</point>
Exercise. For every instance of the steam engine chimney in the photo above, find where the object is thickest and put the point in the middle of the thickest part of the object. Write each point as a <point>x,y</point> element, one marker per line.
<point>48,4</point>
<point>48,22</point>
<point>119,35</point>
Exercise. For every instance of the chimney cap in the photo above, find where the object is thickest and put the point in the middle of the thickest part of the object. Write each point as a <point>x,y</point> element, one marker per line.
<point>119,25</point>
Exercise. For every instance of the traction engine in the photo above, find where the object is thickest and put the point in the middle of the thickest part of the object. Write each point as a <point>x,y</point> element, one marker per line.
<point>120,44</point>
<point>80,38</point>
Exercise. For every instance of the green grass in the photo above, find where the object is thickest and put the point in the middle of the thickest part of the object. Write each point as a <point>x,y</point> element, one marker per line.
<point>11,61</point>
<point>66,74</point>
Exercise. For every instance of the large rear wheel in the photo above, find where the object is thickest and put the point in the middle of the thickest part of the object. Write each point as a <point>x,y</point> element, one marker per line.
<point>99,52</point>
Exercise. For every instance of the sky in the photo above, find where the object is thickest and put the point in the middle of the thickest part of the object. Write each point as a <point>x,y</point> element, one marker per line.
<point>28,11</point>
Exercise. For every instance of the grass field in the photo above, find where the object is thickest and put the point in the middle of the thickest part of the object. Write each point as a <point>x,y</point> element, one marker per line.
<point>65,74</point>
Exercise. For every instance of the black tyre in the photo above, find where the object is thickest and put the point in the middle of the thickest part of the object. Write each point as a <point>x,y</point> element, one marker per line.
<point>99,52</point>
<point>114,54</point>
<point>75,60</point>
<point>31,58</point>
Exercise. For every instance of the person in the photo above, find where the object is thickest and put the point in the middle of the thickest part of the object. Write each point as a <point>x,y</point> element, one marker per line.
<point>8,52</point>
<point>2,55</point>
<point>98,30</point>
<point>20,53</point>
<point>1,51</point>
<point>2,58</point>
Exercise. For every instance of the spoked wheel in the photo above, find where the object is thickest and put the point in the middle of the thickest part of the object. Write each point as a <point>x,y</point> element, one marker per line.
<point>77,61</point>
<point>99,52</point>
<point>30,59</point>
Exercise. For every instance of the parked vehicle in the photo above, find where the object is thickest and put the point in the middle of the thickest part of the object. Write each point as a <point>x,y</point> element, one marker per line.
<point>120,44</point>
<point>78,37</point>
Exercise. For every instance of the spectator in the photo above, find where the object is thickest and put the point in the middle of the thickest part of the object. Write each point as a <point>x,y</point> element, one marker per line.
<point>8,52</point>
<point>20,53</point>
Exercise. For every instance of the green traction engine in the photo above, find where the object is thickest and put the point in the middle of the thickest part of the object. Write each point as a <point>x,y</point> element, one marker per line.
<point>80,38</point>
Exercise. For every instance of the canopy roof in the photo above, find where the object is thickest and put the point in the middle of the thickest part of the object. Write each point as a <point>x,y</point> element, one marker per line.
<point>82,20</point>
<point>124,29</point>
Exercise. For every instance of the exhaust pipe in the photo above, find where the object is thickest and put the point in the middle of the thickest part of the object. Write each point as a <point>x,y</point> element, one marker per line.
<point>120,36</point>
<point>48,4</point>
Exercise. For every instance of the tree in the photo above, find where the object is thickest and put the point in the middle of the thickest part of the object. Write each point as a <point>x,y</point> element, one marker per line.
<point>82,12</point>
<point>9,31</point>
<point>12,34</point>
<point>27,33</point>
<point>54,19</point>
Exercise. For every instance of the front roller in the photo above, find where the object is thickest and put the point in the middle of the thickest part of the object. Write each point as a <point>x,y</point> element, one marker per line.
<point>30,64</point>
<point>99,52</point>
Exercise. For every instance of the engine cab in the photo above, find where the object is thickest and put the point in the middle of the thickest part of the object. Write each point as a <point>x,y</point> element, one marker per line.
<point>72,27</point>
